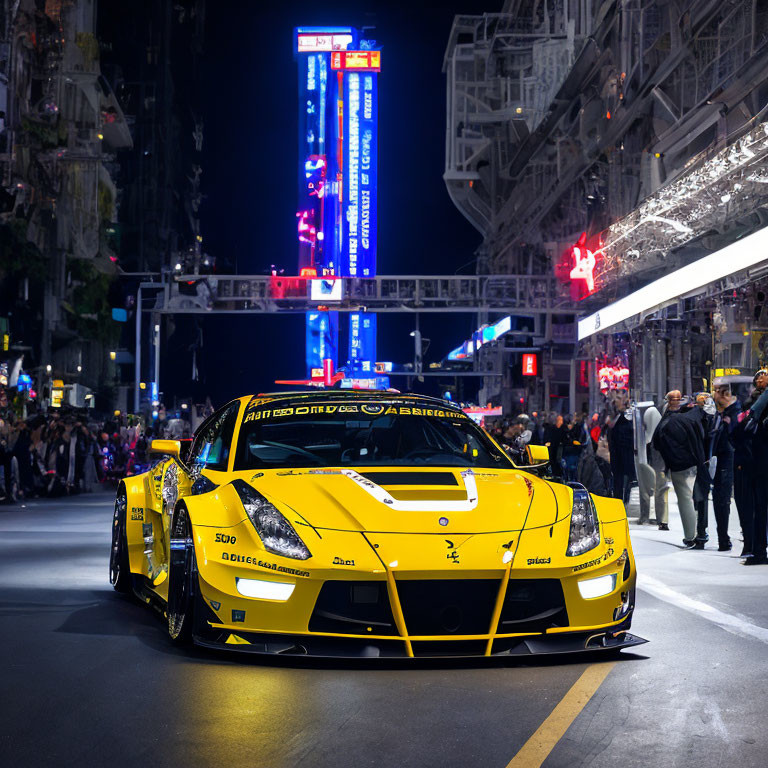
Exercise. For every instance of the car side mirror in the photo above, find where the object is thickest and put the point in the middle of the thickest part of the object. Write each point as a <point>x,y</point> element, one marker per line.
<point>537,455</point>
<point>167,447</point>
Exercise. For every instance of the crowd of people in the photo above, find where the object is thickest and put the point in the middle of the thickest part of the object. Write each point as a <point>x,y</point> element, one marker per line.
<point>708,444</point>
<point>59,454</point>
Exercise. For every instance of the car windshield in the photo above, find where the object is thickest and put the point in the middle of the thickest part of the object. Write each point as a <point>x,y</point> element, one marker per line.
<point>363,434</point>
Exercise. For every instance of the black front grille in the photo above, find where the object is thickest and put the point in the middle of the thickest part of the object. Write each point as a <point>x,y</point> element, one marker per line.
<point>353,608</point>
<point>532,605</point>
<point>448,606</point>
<point>448,647</point>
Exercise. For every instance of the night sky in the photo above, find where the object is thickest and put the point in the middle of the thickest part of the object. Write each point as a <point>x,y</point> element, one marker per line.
<point>249,179</point>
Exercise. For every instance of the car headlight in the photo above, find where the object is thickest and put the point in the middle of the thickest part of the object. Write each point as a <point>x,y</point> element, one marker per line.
<point>585,529</point>
<point>276,533</point>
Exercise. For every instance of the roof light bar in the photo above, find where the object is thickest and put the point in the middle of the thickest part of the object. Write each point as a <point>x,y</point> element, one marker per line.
<point>733,258</point>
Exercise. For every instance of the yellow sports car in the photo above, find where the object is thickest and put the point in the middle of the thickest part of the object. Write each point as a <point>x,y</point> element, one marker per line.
<point>373,524</point>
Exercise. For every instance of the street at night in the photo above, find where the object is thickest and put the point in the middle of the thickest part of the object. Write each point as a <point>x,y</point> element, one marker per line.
<point>384,384</point>
<point>90,677</point>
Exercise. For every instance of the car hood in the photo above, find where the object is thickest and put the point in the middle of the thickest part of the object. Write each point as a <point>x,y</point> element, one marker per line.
<point>410,500</point>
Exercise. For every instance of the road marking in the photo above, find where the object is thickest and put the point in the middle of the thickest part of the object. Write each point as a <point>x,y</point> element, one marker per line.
<point>536,750</point>
<point>734,624</point>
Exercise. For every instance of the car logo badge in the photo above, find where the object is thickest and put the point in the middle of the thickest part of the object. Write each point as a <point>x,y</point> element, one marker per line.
<point>443,521</point>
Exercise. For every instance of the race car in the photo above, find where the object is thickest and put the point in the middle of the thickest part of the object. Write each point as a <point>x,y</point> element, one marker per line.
<point>369,524</point>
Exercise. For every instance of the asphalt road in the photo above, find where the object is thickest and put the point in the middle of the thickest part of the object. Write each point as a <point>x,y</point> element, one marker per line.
<point>87,677</point>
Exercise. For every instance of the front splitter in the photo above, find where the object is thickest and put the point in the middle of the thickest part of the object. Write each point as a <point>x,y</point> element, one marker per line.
<point>308,646</point>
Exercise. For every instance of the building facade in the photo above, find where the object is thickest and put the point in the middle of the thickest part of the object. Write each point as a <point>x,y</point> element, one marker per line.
<point>611,144</point>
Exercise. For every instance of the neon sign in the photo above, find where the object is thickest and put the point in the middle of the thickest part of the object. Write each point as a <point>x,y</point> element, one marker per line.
<point>613,377</point>
<point>584,264</point>
<point>530,365</point>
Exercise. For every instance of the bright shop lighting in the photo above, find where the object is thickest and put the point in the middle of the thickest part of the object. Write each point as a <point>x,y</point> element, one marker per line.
<point>265,590</point>
<point>599,587</point>
<point>733,258</point>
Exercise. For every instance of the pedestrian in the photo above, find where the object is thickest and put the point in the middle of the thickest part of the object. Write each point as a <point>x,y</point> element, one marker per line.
<point>621,446</point>
<point>594,430</point>
<point>728,410</point>
<point>554,436</point>
<point>712,423</point>
<point>655,482</point>
<point>750,438</point>
<point>575,440</point>
<point>679,438</point>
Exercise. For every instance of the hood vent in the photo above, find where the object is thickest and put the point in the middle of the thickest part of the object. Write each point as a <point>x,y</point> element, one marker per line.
<point>388,479</point>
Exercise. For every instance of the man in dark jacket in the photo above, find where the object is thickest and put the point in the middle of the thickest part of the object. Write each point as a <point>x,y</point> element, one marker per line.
<point>716,445</point>
<point>621,446</point>
<point>750,439</point>
<point>679,439</point>
<point>554,436</point>
<point>728,410</point>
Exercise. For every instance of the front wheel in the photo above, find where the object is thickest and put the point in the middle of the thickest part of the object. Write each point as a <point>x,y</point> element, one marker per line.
<point>119,567</point>
<point>181,575</point>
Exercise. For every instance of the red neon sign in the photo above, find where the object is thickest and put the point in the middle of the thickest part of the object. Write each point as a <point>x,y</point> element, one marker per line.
<point>577,267</point>
<point>584,264</point>
<point>530,365</point>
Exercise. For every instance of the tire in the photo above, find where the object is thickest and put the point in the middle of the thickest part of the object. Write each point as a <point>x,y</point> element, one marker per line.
<point>182,575</point>
<point>119,566</point>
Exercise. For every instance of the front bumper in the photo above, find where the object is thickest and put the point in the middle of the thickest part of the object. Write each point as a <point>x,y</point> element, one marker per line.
<point>450,618</point>
<point>363,607</point>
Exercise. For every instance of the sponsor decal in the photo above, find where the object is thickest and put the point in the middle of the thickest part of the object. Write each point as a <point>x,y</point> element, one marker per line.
<point>588,564</point>
<point>608,541</point>
<point>443,521</point>
<point>233,557</point>
<point>226,538</point>
<point>371,410</point>
<point>137,513</point>
<point>238,616</point>
<point>539,560</point>
<point>340,561</point>
<point>453,554</point>
<point>215,604</point>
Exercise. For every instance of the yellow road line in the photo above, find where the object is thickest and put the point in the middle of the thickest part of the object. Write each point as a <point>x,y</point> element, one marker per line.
<point>536,750</point>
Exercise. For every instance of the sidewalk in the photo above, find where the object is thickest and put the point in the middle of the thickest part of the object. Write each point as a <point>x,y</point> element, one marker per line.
<point>718,579</point>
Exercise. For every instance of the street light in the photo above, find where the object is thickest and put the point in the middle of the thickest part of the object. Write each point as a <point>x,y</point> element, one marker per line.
<point>48,369</point>
<point>112,355</point>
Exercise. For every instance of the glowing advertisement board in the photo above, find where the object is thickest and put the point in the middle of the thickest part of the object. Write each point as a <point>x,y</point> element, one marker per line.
<point>483,335</point>
<point>311,39</point>
<point>362,342</point>
<point>322,333</point>
<point>336,212</point>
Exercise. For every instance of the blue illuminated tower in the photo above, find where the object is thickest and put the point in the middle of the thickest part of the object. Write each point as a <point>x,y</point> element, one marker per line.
<point>338,112</point>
